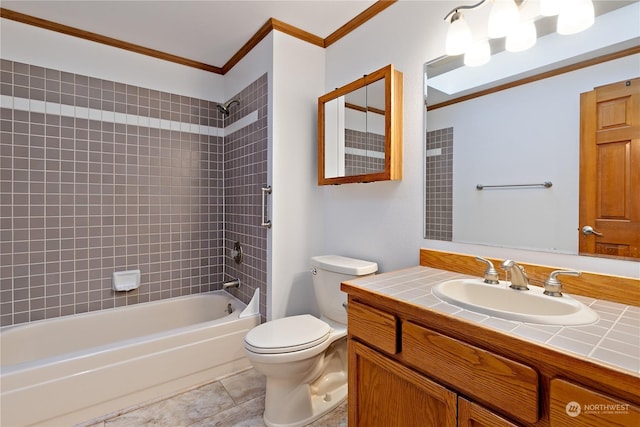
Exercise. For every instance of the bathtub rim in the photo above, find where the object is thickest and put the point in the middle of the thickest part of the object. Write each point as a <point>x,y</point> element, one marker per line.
<point>130,342</point>
<point>119,308</point>
<point>205,370</point>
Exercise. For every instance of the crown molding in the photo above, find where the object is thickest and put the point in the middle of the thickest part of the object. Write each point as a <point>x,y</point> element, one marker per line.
<point>99,38</point>
<point>270,25</point>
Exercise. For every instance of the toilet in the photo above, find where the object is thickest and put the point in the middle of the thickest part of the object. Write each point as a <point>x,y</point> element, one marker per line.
<point>304,358</point>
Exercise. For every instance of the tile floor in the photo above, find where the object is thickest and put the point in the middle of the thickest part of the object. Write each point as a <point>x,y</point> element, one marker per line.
<point>235,401</point>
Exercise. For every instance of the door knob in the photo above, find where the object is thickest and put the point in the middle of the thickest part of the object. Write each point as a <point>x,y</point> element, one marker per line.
<point>588,230</point>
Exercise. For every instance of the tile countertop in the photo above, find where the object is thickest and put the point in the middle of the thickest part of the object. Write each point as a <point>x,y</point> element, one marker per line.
<point>613,340</point>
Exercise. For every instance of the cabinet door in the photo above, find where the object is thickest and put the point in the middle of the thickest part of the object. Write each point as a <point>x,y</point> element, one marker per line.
<point>473,415</point>
<point>575,406</point>
<point>383,392</point>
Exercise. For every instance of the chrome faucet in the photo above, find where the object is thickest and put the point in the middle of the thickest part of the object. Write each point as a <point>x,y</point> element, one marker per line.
<point>235,283</point>
<point>490,274</point>
<point>553,286</point>
<point>519,279</point>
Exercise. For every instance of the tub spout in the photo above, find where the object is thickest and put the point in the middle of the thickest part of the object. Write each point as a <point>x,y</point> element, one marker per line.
<point>235,283</point>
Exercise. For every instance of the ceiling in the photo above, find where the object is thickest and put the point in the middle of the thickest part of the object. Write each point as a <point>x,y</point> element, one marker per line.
<point>207,31</point>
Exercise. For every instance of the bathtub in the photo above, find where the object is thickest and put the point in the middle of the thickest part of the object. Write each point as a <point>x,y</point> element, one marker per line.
<point>71,369</point>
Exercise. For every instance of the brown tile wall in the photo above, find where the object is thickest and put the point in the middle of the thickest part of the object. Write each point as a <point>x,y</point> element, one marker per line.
<point>439,186</point>
<point>99,176</point>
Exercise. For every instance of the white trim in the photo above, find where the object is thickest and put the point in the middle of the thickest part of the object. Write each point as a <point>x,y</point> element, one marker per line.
<point>364,153</point>
<point>240,123</point>
<point>433,152</point>
<point>33,105</point>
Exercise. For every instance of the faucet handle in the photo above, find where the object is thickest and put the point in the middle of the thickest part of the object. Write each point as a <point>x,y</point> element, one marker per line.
<point>490,274</point>
<point>553,286</point>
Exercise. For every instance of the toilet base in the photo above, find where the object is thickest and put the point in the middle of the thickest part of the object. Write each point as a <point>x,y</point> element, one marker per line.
<point>323,389</point>
<point>321,407</point>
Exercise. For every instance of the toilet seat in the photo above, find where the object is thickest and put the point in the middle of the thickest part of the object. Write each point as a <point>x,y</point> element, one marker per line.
<point>287,334</point>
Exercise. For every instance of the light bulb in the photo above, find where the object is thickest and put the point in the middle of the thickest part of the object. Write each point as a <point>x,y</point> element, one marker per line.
<point>521,37</point>
<point>504,15</point>
<point>575,16</point>
<point>478,54</point>
<point>550,7</point>
<point>458,35</point>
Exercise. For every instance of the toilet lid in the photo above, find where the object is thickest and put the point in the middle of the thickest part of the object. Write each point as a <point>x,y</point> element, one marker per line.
<point>287,334</point>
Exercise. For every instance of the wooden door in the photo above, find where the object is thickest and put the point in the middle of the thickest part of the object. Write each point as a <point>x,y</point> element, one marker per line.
<point>610,170</point>
<point>383,392</point>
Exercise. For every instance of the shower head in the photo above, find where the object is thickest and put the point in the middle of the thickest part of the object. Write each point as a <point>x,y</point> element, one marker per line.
<point>224,108</point>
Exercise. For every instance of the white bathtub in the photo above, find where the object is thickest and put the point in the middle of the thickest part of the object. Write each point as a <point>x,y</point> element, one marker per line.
<point>70,369</point>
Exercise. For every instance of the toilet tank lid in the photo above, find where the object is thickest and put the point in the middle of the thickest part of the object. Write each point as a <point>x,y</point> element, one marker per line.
<point>344,265</point>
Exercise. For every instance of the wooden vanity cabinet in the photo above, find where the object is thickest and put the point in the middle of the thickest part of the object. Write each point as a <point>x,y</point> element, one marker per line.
<point>473,415</point>
<point>388,391</point>
<point>382,392</point>
<point>375,327</point>
<point>572,405</point>
<point>416,368</point>
<point>487,377</point>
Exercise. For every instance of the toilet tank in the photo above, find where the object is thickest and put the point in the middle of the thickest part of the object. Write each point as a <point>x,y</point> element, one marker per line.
<point>328,272</point>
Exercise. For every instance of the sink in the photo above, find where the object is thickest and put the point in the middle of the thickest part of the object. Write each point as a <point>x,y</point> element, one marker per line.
<point>531,306</point>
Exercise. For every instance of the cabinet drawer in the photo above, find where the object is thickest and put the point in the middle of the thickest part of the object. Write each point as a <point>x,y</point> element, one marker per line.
<point>473,415</point>
<point>573,405</point>
<point>506,385</point>
<point>375,327</point>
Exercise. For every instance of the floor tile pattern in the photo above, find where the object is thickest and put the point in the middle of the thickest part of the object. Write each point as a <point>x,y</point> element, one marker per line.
<point>235,401</point>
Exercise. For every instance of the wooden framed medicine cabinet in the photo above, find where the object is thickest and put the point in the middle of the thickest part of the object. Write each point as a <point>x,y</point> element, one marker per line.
<point>360,130</point>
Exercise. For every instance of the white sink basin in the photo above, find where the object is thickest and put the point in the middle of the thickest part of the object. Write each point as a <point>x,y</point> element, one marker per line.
<point>530,306</point>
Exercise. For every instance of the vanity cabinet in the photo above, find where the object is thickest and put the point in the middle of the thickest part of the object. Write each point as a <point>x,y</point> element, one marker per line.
<point>410,366</point>
<point>478,373</point>
<point>377,328</point>
<point>421,402</point>
<point>473,415</point>
<point>573,405</point>
<point>390,394</point>
<point>386,391</point>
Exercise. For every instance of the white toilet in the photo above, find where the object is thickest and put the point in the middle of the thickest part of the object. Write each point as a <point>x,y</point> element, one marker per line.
<point>305,358</point>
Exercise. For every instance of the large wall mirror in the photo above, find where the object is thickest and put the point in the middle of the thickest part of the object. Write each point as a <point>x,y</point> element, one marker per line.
<point>522,132</point>
<point>360,130</point>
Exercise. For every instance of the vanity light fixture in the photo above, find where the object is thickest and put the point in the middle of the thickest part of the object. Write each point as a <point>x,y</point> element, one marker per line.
<point>575,16</point>
<point>459,35</point>
<point>521,37</point>
<point>479,53</point>
<point>505,20</point>
<point>550,7</point>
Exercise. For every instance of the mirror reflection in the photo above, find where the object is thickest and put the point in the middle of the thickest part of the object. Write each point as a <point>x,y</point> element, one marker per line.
<point>360,130</point>
<point>355,133</point>
<point>529,133</point>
